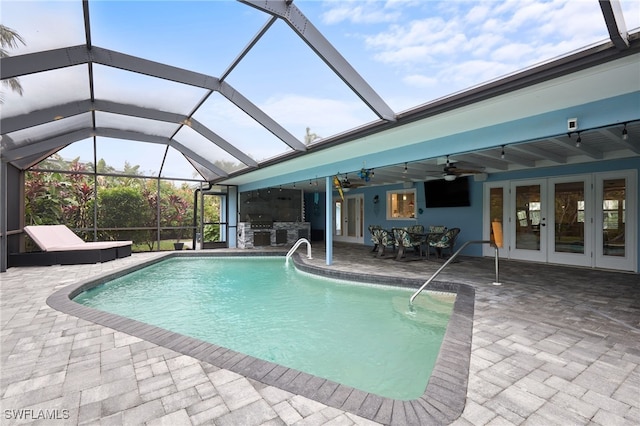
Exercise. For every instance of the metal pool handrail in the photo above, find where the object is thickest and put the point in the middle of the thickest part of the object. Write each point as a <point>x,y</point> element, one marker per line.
<point>295,247</point>
<point>451,260</point>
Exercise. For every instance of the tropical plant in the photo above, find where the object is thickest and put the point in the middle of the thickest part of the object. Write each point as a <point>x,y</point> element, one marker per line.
<point>9,40</point>
<point>122,207</point>
<point>63,191</point>
<point>42,202</point>
<point>177,215</point>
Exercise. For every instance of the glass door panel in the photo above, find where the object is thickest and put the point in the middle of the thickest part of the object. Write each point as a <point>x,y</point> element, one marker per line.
<point>569,217</point>
<point>351,217</point>
<point>615,234</point>
<point>613,217</point>
<point>570,237</point>
<point>338,218</point>
<point>528,224</point>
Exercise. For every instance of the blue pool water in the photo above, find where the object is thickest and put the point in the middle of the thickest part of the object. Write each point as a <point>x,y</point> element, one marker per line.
<point>359,335</point>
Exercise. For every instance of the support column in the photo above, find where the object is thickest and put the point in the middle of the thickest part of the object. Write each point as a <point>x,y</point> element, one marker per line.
<point>328,233</point>
<point>4,247</point>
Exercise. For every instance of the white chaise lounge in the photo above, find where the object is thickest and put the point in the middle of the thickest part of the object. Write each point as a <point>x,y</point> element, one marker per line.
<point>61,246</point>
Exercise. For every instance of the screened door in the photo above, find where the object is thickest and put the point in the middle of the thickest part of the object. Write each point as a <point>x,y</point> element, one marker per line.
<point>214,220</point>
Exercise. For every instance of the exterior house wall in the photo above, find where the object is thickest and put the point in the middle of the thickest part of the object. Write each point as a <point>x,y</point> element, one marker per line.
<point>469,219</point>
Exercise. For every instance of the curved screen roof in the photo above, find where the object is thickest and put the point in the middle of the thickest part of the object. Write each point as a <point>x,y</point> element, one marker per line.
<point>234,85</point>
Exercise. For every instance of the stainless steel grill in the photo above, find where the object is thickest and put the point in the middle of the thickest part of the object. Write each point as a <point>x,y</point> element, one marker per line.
<point>260,221</point>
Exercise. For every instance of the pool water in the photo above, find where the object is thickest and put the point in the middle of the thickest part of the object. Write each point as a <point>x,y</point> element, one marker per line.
<point>363,336</point>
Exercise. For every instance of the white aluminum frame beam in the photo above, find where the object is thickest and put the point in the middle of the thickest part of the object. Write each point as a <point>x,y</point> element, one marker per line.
<point>57,142</point>
<point>47,115</point>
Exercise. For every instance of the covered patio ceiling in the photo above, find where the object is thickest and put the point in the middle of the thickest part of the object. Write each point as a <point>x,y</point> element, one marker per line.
<point>92,106</point>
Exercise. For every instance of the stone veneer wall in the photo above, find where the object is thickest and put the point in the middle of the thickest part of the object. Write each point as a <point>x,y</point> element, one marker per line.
<point>245,233</point>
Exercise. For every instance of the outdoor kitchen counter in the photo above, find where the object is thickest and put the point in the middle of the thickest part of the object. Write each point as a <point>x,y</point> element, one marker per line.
<point>279,234</point>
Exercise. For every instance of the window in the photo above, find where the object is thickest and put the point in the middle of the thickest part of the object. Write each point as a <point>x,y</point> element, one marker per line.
<point>401,204</point>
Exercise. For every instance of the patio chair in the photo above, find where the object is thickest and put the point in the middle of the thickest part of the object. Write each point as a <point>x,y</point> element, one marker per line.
<point>375,237</point>
<point>60,246</point>
<point>446,242</point>
<point>405,240</point>
<point>385,240</point>
<point>433,235</point>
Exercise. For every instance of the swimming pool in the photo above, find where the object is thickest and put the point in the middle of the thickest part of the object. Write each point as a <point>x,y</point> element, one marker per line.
<point>358,335</point>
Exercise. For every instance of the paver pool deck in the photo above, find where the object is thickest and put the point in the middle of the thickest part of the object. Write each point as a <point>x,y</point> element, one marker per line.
<point>552,345</point>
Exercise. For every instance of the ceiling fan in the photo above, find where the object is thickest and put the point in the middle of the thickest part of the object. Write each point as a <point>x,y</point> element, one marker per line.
<point>450,171</point>
<point>347,184</point>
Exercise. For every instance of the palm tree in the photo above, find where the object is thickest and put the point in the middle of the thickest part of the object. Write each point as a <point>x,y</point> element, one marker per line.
<point>9,40</point>
<point>310,137</point>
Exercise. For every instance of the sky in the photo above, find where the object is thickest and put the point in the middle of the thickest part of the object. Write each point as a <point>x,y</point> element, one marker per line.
<point>410,51</point>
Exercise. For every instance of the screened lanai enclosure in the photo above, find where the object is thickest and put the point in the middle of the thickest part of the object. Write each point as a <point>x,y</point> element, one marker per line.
<point>155,121</point>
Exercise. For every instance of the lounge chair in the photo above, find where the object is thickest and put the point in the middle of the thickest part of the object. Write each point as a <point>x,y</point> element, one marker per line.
<point>60,246</point>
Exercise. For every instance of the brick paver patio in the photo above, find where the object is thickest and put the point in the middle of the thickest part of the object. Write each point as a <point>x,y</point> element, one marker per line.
<point>552,345</point>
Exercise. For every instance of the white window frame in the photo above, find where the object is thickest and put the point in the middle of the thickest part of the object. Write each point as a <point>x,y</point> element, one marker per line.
<point>401,192</point>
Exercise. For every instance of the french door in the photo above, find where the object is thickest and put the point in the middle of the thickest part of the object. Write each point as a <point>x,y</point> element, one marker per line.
<point>349,219</point>
<point>573,220</point>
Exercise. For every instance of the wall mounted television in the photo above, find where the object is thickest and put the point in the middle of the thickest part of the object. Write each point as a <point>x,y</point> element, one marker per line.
<point>442,193</point>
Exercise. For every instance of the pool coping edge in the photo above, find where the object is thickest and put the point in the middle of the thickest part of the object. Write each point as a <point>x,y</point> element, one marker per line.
<point>442,402</point>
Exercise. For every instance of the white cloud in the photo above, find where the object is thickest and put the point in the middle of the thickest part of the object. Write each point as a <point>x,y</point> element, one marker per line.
<point>483,44</point>
<point>512,53</point>
<point>461,44</point>
<point>420,81</point>
<point>418,41</point>
<point>324,116</point>
<point>361,12</point>
<point>468,73</point>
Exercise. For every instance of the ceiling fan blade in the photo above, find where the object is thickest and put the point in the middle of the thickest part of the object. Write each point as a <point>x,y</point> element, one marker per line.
<point>468,171</point>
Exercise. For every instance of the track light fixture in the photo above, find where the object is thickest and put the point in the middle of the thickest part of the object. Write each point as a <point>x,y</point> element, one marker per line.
<point>625,134</point>
<point>502,153</point>
<point>405,168</point>
<point>578,141</point>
